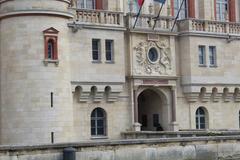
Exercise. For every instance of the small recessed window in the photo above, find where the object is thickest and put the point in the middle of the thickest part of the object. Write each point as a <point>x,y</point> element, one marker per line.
<point>153,55</point>
<point>109,50</point>
<point>50,49</point>
<point>202,55</point>
<point>201,118</point>
<point>96,49</point>
<point>212,56</point>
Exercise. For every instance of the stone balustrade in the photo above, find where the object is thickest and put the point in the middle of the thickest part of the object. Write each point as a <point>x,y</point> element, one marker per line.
<point>178,134</point>
<point>217,27</point>
<point>100,17</point>
<point>146,22</point>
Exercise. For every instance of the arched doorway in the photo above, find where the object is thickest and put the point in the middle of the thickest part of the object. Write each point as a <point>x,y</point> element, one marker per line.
<point>152,111</point>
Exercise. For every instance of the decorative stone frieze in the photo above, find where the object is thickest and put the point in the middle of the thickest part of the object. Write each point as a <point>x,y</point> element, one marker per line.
<point>202,94</point>
<point>216,97</point>
<point>206,97</point>
<point>98,92</point>
<point>192,97</point>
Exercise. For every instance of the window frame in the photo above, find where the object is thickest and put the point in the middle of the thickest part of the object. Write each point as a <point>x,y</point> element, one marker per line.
<point>184,10</point>
<point>199,116</point>
<point>51,34</point>
<point>98,50</point>
<point>94,117</point>
<point>111,50</point>
<point>202,56</point>
<point>82,4</point>
<point>222,10</point>
<point>213,56</point>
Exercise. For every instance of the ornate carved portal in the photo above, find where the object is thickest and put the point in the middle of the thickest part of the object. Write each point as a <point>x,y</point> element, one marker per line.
<point>150,63</point>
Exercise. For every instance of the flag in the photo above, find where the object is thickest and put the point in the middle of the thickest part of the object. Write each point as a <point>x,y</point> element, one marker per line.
<point>140,2</point>
<point>160,1</point>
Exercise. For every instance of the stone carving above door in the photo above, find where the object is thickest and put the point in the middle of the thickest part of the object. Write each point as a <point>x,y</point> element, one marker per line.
<point>153,58</point>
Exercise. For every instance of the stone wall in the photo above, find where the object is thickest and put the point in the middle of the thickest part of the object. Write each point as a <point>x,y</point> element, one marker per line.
<point>153,149</point>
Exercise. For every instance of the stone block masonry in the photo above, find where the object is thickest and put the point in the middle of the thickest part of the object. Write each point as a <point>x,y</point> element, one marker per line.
<point>191,148</point>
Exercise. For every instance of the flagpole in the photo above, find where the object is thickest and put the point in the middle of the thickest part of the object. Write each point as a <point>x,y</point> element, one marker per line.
<point>156,18</point>
<point>175,20</point>
<point>138,15</point>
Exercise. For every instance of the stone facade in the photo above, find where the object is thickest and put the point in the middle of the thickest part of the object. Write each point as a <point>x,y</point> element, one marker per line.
<point>153,78</point>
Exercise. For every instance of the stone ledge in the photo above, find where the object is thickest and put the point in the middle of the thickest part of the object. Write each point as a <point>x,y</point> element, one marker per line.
<point>108,143</point>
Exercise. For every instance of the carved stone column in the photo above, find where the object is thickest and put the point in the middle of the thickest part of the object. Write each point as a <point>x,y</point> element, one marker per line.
<point>174,124</point>
<point>136,125</point>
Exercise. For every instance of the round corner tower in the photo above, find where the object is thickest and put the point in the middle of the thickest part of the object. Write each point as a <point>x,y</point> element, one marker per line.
<point>36,98</point>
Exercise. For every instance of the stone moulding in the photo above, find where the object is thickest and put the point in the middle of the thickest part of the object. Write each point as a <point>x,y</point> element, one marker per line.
<point>66,1</point>
<point>98,92</point>
<point>36,12</point>
<point>214,94</point>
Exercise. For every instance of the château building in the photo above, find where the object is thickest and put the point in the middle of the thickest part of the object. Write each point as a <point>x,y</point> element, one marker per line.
<point>79,70</point>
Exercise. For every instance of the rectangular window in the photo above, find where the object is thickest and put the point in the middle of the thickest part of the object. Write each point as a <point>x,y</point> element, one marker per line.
<point>183,11</point>
<point>109,50</point>
<point>96,49</point>
<point>212,56</point>
<point>221,10</point>
<point>87,4</point>
<point>202,55</point>
<point>155,120</point>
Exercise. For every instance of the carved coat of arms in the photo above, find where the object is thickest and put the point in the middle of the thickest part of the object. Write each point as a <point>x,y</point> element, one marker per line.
<point>153,58</point>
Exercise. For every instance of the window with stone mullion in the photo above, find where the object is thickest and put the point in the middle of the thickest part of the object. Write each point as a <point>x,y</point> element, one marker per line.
<point>87,4</point>
<point>96,50</point>
<point>109,50</point>
<point>221,9</point>
<point>183,11</point>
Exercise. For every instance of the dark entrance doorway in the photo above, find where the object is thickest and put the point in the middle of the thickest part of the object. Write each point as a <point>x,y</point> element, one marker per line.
<point>150,111</point>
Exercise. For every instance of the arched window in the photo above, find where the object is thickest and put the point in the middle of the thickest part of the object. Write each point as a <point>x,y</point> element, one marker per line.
<point>50,49</point>
<point>50,46</point>
<point>201,118</point>
<point>98,122</point>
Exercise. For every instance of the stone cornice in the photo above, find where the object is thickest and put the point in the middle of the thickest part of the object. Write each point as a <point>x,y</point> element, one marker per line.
<point>147,31</point>
<point>164,141</point>
<point>94,26</point>
<point>154,77</point>
<point>36,13</point>
<point>207,34</point>
<point>66,1</point>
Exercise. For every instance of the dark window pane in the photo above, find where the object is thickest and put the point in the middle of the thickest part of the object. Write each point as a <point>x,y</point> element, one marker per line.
<point>202,119</point>
<point>92,123</point>
<point>95,49</point>
<point>93,131</point>
<point>100,123</point>
<point>201,111</point>
<point>109,49</point>
<point>95,55</point>
<point>100,113</point>
<point>50,50</point>
<point>108,56</point>
<point>100,131</point>
<point>202,126</point>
